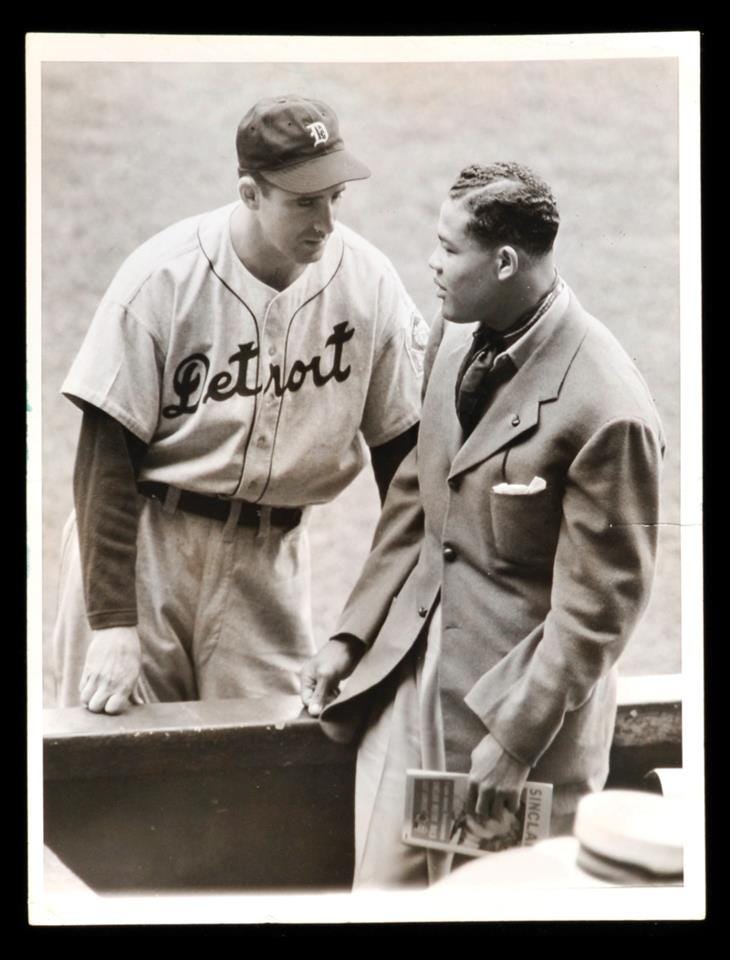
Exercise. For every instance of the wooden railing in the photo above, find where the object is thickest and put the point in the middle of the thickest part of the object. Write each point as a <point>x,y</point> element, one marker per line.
<point>193,796</point>
<point>648,731</point>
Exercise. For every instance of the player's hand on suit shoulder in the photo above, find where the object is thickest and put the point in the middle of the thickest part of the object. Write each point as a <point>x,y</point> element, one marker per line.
<point>320,677</point>
<point>111,671</point>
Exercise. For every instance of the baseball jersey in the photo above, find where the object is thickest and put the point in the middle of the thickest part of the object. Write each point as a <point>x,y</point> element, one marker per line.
<point>240,390</point>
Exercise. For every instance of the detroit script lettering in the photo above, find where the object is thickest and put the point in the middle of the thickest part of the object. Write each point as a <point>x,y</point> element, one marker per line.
<point>191,375</point>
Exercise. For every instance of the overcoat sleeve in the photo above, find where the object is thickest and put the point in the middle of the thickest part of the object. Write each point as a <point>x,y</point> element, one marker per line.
<point>602,575</point>
<point>397,541</point>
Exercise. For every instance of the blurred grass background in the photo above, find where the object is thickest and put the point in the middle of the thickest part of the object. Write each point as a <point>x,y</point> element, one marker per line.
<point>128,148</point>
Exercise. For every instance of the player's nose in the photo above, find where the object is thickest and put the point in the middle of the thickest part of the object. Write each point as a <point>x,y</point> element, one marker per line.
<point>434,261</point>
<point>325,217</point>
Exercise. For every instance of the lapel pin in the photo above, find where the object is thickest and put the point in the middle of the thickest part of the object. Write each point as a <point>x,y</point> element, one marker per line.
<point>516,420</point>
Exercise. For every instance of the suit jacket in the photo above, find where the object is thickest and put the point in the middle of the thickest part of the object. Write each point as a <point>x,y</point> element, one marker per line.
<point>539,592</point>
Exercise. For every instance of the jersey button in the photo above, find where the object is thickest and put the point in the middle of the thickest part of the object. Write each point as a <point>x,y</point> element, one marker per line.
<point>272,351</point>
<point>422,611</point>
<point>261,440</point>
<point>449,553</point>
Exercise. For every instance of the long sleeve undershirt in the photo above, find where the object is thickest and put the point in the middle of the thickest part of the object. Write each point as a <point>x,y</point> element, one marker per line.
<point>106,500</point>
<point>107,511</point>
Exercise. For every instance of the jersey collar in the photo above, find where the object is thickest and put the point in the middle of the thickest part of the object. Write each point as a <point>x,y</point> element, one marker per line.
<point>216,246</point>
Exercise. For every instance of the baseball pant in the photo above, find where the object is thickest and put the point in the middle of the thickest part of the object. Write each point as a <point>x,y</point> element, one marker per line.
<point>223,611</point>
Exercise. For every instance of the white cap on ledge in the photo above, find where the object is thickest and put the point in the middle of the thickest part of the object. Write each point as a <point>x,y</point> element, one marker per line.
<point>636,829</point>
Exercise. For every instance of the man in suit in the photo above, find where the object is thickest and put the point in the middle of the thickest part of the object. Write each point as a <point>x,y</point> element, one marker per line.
<point>516,549</point>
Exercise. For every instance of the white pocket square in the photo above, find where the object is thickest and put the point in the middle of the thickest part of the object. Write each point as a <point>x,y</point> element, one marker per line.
<point>516,489</point>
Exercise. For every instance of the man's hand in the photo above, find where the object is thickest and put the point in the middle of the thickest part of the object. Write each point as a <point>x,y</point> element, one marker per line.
<point>320,676</point>
<point>113,664</point>
<point>496,780</point>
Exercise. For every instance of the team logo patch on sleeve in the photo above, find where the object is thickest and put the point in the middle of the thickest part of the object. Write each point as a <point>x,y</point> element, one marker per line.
<point>416,342</point>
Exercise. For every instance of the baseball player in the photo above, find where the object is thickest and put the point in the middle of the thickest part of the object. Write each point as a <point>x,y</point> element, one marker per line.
<point>235,373</point>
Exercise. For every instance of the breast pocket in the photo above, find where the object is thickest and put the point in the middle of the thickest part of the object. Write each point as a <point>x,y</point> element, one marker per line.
<point>525,526</point>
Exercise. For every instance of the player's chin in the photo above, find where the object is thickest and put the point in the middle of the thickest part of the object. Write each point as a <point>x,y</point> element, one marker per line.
<point>311,250</point>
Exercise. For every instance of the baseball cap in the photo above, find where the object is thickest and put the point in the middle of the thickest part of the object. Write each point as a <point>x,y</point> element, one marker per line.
<point>295,143</point>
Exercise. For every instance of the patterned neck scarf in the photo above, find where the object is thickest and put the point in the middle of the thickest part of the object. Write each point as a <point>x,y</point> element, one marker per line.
<point>486,366</point>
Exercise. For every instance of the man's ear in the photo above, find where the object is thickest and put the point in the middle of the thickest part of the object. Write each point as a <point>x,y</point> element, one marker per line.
<point>508,262</point>
<point>249,192</point>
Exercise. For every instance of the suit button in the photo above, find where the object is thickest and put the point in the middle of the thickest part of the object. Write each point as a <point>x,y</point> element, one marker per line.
<point>422,611</point>
<point>454,482</point>
<point>449,553</point>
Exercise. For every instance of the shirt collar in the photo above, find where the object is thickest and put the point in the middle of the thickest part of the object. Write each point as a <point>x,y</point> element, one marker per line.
<point>525,340</point>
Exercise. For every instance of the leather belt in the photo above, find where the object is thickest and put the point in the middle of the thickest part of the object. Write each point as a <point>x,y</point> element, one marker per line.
<point>218,508</point>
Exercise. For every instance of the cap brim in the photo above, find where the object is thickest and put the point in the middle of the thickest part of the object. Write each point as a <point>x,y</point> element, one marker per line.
<point>320,173</point>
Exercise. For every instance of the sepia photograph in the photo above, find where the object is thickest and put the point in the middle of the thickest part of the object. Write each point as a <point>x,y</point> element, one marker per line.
<point>365,436</point>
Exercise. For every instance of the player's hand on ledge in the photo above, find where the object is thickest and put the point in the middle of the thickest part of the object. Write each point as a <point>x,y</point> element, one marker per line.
<point>112,668</point>
<point>496,779</point>
<point>320,677</point>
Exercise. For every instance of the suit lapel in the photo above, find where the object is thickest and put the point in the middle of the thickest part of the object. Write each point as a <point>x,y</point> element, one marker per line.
<point>516,408</point>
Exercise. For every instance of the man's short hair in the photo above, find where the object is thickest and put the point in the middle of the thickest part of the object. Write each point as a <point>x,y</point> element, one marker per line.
<point>508,204</point>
